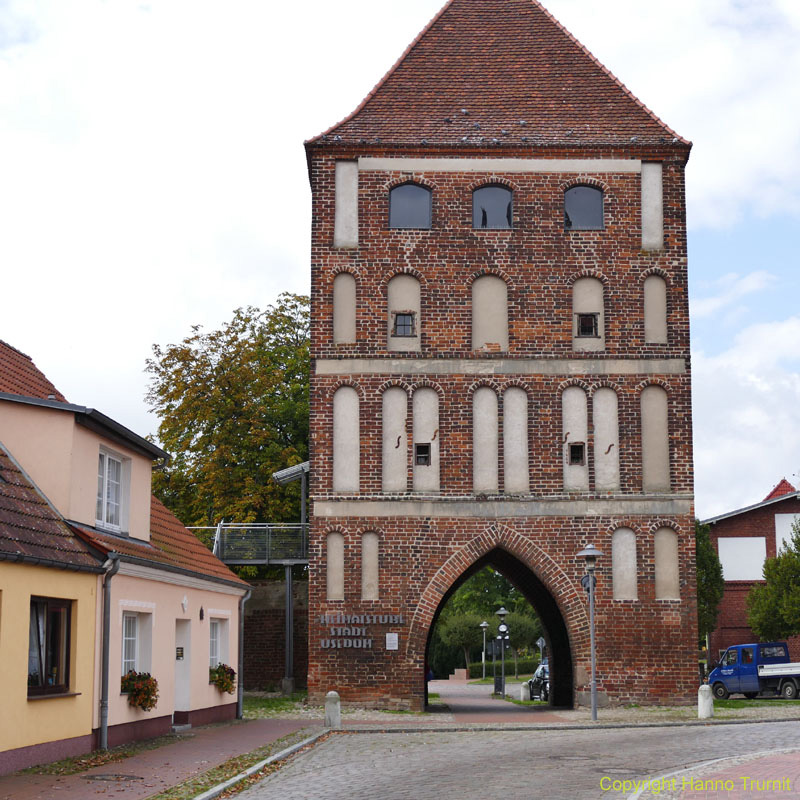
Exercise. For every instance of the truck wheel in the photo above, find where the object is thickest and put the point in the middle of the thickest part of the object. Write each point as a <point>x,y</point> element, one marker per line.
<point>531,695</point>
<point>544,694</point>
<point>789,691</point>
<point>720,692</point>
<point>751,695</point>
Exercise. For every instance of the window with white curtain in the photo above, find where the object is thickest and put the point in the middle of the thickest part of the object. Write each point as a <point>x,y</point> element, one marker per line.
<point>130,643</point>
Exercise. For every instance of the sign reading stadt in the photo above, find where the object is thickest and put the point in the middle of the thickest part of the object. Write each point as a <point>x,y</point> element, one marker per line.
<point>352,631</point>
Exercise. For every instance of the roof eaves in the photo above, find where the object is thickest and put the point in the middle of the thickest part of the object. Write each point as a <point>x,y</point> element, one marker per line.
<point>160,565</point>
<point>51,563</point>
<point>94,420</point>
<point>712,520</point>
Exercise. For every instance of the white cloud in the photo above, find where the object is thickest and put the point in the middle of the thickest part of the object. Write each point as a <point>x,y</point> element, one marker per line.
<point>730,288</point>
<point>747,417</point>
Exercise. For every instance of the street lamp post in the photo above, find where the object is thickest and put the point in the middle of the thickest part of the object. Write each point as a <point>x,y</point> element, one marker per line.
<point>483,626</point>
<point>590,555</point>
<point>502,638</point>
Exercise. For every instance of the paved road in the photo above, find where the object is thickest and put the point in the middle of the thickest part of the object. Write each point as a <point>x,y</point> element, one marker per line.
<point>516,765</point>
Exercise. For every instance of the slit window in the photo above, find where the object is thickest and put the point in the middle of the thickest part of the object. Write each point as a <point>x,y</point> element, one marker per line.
<point>577,453</point>
<point>422,455</point>
<point>410,206</point>
<point>583,209</point>
<point>404,324</point>
<point>587,325</point>
<point>492,207</point>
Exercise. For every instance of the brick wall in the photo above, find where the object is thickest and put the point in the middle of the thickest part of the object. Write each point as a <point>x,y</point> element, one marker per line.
<point>646,648</point>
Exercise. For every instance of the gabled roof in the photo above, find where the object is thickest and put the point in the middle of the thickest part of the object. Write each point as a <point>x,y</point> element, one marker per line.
<point>31,530</point>
<point>19,375</point>
<point>499,72</point>
<point>783,488</point>
<point>171,546</point>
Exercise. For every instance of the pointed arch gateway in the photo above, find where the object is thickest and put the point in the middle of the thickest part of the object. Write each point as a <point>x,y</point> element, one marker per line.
<point>538,576</point>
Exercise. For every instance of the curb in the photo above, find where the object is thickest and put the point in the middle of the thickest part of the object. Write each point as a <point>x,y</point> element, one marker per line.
<point>216,791</point>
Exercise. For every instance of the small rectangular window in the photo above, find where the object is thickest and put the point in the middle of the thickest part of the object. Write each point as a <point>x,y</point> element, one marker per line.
<point>422,455</point>
<point>109,491</point>
<point>577,454</point>
<point>130,643</point>
<point>587,325</point>
<point>213,649</point>
<point>49,646</point>
<point>404,324</point>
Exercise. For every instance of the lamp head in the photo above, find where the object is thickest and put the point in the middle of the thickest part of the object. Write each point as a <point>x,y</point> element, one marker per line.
<point>590,553</point>
<point>501,613</point>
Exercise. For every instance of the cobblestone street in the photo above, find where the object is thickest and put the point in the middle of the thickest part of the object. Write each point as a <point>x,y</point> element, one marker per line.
<point>517,765</point>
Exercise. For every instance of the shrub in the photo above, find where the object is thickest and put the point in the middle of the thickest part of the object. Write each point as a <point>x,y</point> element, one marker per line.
<point>525,666</point>
<point>141,688</point>
<point>223,677</point>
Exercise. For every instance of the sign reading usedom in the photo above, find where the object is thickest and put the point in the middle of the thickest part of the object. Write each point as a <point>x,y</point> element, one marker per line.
<point>352,631</point>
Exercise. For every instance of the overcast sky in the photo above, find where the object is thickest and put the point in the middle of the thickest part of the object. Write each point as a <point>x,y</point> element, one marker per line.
<point>153,177</point>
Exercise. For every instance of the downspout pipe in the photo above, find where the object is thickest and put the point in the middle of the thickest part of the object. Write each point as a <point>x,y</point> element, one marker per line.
<point>111,567</point>
<point>240,687</point>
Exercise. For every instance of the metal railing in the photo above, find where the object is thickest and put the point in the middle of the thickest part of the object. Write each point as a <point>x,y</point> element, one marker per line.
<point>244,544</point>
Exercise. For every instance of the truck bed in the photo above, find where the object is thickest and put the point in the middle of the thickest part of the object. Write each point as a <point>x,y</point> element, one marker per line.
<point>776,670</point>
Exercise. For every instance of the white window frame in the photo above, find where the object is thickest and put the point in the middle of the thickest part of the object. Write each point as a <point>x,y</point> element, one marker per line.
<point>129,664</point>
<point>217,644</point>
<point>102,501</point>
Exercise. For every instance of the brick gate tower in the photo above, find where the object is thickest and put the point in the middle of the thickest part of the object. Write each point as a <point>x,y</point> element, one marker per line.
<point>500,362</point>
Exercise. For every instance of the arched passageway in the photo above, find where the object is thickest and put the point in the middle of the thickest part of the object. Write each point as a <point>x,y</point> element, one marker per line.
<point>545,605</point>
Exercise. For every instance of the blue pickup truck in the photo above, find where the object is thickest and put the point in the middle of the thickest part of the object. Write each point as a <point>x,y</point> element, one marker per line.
<point>753,669</point>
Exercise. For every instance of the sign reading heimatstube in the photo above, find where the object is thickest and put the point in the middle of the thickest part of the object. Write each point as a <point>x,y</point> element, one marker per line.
<point>353,631</point>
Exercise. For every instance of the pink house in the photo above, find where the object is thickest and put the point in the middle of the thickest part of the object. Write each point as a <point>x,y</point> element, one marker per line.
<point>164,604</point>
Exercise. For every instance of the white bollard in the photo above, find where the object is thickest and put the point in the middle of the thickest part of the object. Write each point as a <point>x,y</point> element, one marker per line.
<point>524,694</point>
<point>333,711</point>
<point>705,703</point>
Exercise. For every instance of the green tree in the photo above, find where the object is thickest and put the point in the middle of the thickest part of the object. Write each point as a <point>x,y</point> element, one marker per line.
<point>233,409</point>
<point>523,630</point>
<point>773,607</point>
<point>484,593</point>
<point>462,630</point>
<point>710,583</point>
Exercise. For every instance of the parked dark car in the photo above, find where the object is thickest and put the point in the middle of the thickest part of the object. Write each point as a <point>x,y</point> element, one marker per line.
<point>539,684</point>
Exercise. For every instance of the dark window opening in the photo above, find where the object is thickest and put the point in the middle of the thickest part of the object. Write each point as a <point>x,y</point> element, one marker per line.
<point>403,324</point>
<point>410,206</point>
<point>587,325</point>
<point>48,646</point>
<point>492,207</point>
<point>422,455</point>
<point>583,209</point>
<point>577,454</point>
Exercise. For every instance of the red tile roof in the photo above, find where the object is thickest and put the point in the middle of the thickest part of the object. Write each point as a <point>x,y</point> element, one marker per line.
<point>784,487</point>
<point>170,544</point>
<point>501,72</point>
<point>19,375</point>
<point>30,528</point>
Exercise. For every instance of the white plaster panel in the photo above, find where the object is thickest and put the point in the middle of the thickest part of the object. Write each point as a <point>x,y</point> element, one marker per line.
<point>516,477</point>
<point>460,508</point>
<point>574,429</point>
<point>403,295</point>
<point>655,309</point>
<point>605,415</point>
<point>667,572</point>
<point>652,206</point>
<point>655,440</point>
<point>500,366</point>
<point>496,165</point>
<point>742,557</point>
<point>489,313</point>
<point>395,440</point>
<point>425,405</point>
<point>345,226</point>
<point>335,572</point>
<point>623,564</point>
<point>783,529</point>
<point>587,298</point>
<point>484,441</point>
<point>346,444</point>
<point>369,566</point>
<point>344,308</point>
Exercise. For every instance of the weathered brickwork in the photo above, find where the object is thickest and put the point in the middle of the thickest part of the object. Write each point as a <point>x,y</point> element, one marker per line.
<point>430,543</point>
<point>732,627</point>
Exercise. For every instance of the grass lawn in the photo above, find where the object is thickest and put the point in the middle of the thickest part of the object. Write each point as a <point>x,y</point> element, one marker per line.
<point>509,679</point>
<point>258,707</point>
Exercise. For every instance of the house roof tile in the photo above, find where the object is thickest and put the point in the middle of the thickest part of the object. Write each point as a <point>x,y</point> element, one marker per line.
<point>782,488</point>
<point>499,72</point>
<point>19,375</point>
<point>30,528</point>
<point>171,544</point>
